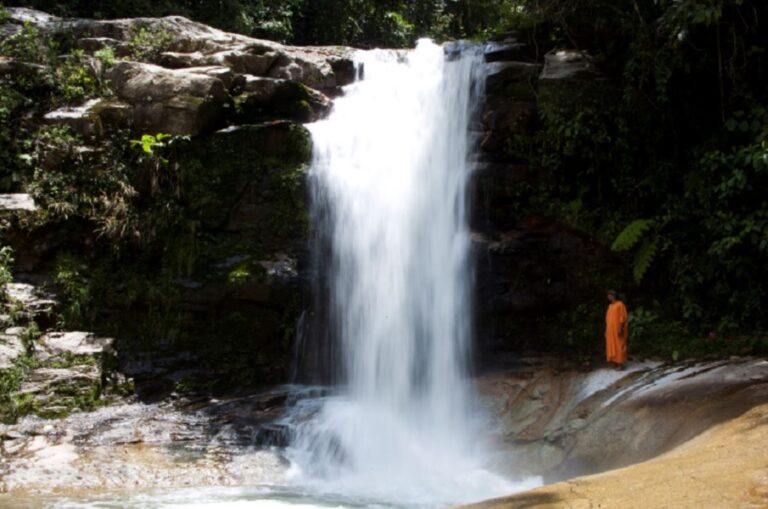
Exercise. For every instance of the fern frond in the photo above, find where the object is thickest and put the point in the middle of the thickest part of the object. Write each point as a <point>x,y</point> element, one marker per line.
<point>644,257</point>
<point>632,234</point>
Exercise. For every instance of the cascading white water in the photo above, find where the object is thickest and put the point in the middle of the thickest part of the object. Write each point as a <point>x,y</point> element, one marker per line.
<point>390,172</point>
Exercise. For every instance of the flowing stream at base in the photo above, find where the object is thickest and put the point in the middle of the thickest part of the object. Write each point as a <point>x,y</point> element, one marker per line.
<point>390,173</point>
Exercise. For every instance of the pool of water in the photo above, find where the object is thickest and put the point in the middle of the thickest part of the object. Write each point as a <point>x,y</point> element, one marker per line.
<point>209,498</point>
<point>261,497</point>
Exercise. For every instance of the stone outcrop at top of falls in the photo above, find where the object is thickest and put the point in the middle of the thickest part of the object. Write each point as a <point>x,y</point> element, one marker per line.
<point>201,75</point>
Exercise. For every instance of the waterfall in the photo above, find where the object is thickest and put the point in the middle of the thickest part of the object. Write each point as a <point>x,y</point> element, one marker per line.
<point>390,175</point>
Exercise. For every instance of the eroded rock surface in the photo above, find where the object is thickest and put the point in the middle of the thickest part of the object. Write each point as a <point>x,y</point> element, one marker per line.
<point>562,422</point>
<point>722,468</point>
<point>190,443</point>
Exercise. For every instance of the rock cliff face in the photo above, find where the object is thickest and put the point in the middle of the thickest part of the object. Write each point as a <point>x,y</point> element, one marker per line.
<point>529,268</point>
<point>211,301</point>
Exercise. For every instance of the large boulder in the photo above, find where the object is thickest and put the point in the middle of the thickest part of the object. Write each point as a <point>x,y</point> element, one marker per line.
<point>170,101</point>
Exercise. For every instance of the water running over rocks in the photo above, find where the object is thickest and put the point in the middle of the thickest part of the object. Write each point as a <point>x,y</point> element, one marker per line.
<point>390,175</point>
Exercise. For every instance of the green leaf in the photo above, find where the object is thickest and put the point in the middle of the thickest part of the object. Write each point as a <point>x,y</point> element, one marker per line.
<point>644,257</point>
<point>631,235</point>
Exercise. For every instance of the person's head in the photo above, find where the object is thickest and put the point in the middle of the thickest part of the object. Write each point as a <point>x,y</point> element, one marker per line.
<point>612,295</point>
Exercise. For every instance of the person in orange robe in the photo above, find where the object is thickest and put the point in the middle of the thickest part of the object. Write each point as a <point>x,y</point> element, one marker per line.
<point>616,331</point>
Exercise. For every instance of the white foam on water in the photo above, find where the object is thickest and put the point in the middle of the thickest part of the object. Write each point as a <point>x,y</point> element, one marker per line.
<point>194,498</point>
<point>391,166</point>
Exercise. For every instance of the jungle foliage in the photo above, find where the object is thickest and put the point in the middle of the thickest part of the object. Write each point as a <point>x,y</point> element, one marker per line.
<point>363,23</point>
<point>665,158</point>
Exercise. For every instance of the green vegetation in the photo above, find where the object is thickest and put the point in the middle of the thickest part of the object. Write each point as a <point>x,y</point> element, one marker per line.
<point>41,81</point>
<point>147,43</point>
<point>663,159</point>
<point>4,14</point>
<point>6,267</point>
<point>106,55</point>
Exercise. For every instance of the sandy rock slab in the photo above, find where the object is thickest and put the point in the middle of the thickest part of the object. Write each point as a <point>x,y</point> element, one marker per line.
<point>725,467</point>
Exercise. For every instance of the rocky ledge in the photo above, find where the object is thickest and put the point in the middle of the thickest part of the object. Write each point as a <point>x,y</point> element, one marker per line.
<point>550,420</point>
<point>722,468</point>
<point>559,422</point>
<point>196,80</point>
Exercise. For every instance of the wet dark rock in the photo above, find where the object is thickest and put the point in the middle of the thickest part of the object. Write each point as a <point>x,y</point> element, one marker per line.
<point>531,271</point>
<point>344,71</point>
<point>528,273</point>
<point>267,98</point>
<point>505,51</point>
<point>511,78</point>
<point>273,435</point>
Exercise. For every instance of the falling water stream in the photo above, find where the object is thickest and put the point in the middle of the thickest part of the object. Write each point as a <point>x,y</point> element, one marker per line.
<point>390,174</point>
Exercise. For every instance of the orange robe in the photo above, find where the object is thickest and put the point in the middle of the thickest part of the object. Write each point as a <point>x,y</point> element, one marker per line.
<point>615,343</point>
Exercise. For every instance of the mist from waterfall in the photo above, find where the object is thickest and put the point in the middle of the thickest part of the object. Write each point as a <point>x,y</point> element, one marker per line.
<point>389,178</point>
